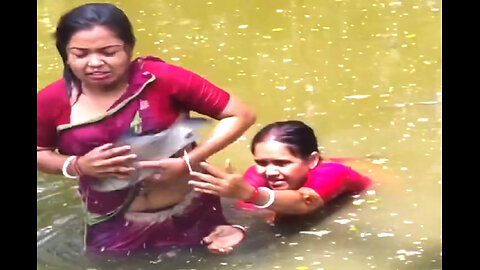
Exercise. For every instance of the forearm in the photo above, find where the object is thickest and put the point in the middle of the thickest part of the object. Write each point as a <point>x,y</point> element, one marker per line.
<point>235,120</point>
<point>292,202</point>
<point>50,162</point>
<point>226,132</point>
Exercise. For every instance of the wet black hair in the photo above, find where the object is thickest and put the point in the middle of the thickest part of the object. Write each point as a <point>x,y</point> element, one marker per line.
<point>298,136</point>
<point>85,17</point>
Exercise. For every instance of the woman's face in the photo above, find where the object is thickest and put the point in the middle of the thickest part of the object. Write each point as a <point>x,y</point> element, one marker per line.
<point>98,57</point>
<point>282,169</point>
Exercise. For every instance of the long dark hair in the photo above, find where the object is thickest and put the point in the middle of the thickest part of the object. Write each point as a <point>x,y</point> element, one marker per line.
<point>85,17</point>
<point>299,137</point>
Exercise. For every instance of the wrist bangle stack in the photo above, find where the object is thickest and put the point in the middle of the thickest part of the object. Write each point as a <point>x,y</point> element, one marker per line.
<point>271,197</point>
<point>65,167</point>
<point>254,196</point>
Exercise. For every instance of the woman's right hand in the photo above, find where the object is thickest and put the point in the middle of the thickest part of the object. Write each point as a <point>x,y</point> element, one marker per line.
<point>220,183</point>
<point>107,161</point>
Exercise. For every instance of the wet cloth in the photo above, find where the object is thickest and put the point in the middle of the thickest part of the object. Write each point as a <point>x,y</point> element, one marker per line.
<point>184,224</point>
<point>327,179</point>
<point>157,94</point>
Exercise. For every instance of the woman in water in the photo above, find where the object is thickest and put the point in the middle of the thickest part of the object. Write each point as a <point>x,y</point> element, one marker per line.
<point>103,95</point>
<point>289,176</point>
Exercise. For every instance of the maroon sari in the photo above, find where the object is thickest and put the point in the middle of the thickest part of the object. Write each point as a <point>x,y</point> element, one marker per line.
<point>158,93</point>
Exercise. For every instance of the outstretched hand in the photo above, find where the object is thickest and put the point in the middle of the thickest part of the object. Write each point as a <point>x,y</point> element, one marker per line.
<point>220,183</point>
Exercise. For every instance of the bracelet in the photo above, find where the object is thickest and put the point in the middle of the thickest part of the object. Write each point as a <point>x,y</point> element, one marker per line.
<point>271,197</point>
<point>240,227</point>
<point>65,166</point>
<point>185,158</point>
<point>254,196</point>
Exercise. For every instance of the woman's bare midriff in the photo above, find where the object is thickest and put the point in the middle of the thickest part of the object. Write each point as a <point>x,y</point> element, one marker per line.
<point>160,195</point>
<point>157,195</point>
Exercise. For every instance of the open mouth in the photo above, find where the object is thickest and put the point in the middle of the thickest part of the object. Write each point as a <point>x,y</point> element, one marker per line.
<point>278,184</point>
<point>98,75</point>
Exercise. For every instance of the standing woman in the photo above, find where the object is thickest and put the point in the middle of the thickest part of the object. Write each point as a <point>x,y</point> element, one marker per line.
<point>289,176</point>
<point>102,95</point>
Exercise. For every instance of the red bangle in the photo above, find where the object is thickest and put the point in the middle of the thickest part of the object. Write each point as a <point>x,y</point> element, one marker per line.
<point>254,196</point>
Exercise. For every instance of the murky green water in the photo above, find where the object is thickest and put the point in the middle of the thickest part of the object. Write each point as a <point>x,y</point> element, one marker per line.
<point>365,74</point>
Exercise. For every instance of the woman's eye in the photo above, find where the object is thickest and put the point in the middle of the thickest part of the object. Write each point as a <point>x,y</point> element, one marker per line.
<point>79,55</point>
<point>109,53</point>
<point>281,163</point>
<point>261,163</point>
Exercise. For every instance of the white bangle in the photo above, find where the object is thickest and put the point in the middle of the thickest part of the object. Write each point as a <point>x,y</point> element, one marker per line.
<point>186,159</point>
<point>240,227</point>
<point>271,197</point>
<point>65,166</point>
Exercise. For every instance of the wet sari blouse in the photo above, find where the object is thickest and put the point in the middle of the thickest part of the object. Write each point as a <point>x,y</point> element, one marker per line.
<point>158,93</point>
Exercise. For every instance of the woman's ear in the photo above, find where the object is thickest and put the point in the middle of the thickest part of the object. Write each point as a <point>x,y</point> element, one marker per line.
<point>313,160</point>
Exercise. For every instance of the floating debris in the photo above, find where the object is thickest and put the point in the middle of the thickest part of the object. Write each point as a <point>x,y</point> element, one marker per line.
<point>385,235</point>
<point>319,233</point>
<point>373,201</point>
<point>358,202</point>
<point>357,97</point>
<point>343,221</point>
<point>408,253</point>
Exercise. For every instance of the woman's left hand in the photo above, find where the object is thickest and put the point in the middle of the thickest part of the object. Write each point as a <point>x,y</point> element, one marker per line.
<point>168,169</point>
<point>220,183</point>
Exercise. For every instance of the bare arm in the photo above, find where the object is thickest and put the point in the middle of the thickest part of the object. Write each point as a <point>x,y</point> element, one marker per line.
<point>293,202</point>
<point>49,162</point>
<point>236,118</point>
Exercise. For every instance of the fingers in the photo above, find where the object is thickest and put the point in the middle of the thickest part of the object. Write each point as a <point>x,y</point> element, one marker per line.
<point>105,146</point>
<point>110,152</point>
<point>118,160</point>
<point>212,170</point>
<point>204,187</point>
<point>120,172</point>
<point>205,177</point>
<point>123,172</point>
<point>201,185</point>
<point>207,184</point>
